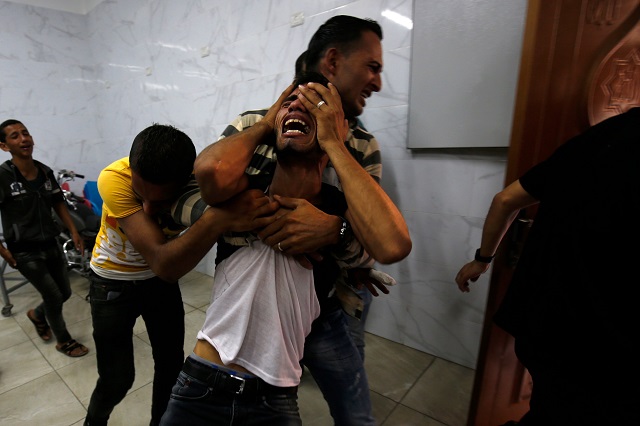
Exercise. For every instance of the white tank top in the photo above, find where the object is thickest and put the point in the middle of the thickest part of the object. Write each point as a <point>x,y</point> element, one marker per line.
<point>262,307</point>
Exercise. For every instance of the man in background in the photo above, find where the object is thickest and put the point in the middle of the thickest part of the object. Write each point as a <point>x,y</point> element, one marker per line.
<point>572,302</point>
<point>28,194</point>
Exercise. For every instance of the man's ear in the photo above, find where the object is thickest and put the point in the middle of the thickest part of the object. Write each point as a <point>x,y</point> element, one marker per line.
<point>329,62</point>
<point>4,147</point>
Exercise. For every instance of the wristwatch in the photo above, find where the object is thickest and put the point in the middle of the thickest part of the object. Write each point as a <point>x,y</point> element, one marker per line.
<point>345,230</point>
<point>484,259</point>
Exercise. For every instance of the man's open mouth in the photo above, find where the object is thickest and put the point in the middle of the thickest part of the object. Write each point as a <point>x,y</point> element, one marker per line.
<point>294,125</point>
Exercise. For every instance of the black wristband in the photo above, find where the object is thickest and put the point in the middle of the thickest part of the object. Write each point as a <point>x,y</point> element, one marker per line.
<point>483,259</point>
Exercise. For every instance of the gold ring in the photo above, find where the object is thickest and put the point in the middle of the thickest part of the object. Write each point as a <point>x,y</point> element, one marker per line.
<point>280,247</point>
<point>320,104</point>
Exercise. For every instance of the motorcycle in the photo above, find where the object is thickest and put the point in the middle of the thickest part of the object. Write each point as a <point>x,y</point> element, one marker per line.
<point>86,221</point>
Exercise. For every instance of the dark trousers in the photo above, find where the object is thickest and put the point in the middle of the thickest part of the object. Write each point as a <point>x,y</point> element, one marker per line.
<point>115,306</point>
<point>204,395</point>
<point>47,271</point>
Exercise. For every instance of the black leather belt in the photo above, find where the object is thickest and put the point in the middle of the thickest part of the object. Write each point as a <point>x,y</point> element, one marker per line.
<point>220,380</point>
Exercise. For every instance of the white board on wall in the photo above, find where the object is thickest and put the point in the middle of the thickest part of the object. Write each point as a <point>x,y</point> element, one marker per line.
<point>465,58</point>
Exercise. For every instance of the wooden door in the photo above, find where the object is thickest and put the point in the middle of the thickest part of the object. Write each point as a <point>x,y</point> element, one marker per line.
<point>580,65</point>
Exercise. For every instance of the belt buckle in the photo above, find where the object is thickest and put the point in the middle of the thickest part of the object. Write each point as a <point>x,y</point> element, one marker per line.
<point>241,384</point>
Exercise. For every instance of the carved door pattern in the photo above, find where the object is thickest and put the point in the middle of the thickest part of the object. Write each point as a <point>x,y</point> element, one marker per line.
<point>580,65</point>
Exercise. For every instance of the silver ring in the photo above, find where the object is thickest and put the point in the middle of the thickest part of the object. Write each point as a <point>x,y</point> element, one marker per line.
<point>280,247</point>
<point>320,104</point>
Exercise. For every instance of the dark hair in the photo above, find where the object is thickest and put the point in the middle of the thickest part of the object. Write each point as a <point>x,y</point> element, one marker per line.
<point>162,154</point>
<point>301,66</point>
<point>311,77</point>
<point>7,123</point>
<point>341,32</point>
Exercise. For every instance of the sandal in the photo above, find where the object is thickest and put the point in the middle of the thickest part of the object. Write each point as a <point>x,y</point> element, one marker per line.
<point>42,327</point>
<point>73,349</point>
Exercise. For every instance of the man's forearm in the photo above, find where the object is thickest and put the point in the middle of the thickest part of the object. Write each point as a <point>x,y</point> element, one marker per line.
<point>375,219</point>
<point>176,257</point>
<point>503,210</point>
<point>495,226</point>
<point>220,168</point>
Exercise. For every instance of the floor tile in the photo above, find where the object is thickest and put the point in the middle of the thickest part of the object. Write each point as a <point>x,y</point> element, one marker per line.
<point>191,276</point>
<point>28,404</point>
<point>197,291</point>
<point>192,324</point>
<point>81,377</point>
<point>443,393</point>
<point>382,406</point>
<point>405,416</point>
<point>11,333</point>
<point>76,309</point>
<point>79,284</point>
<point>135,408</point>
<point>21,364</point>
<point>393,373</point>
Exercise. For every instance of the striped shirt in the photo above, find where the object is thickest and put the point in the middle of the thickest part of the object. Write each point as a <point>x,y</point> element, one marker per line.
<point>363,147</point>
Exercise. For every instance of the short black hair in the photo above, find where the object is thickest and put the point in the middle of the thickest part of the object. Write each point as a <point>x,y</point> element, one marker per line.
<point>342,32</point>
<point>162,154</point>
<point>6,123</point>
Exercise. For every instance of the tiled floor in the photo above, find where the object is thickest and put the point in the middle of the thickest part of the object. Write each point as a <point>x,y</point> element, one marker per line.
<point>39,386</point>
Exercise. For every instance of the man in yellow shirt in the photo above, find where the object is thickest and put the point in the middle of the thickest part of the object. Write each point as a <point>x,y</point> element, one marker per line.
<point>139,255</point>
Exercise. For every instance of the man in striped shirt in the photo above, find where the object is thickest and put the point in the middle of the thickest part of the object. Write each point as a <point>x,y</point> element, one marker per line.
<point>348,52</point>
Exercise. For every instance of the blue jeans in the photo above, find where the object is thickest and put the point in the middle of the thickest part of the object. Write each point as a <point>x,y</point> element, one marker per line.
<point>115,306</point>
<point>198,398</point>
<point>335,364</point>
<point>47,271</point>
<point>356,326</point>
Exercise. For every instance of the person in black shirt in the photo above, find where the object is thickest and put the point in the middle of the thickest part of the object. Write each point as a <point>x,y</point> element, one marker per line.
<point>571,305</point>
<point>28,192</point>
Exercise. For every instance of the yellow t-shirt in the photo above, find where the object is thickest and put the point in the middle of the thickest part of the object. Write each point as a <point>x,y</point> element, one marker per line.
<point>113,255</point>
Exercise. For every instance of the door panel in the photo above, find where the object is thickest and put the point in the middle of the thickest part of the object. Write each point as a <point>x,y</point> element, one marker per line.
<point>580,65</point>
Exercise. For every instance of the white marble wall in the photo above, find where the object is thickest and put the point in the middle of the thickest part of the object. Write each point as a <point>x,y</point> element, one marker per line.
<point>85,85</point>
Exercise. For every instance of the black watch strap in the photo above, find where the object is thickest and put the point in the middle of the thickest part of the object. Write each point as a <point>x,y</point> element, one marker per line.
<point>345,229</point>
<point>483,259</point>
